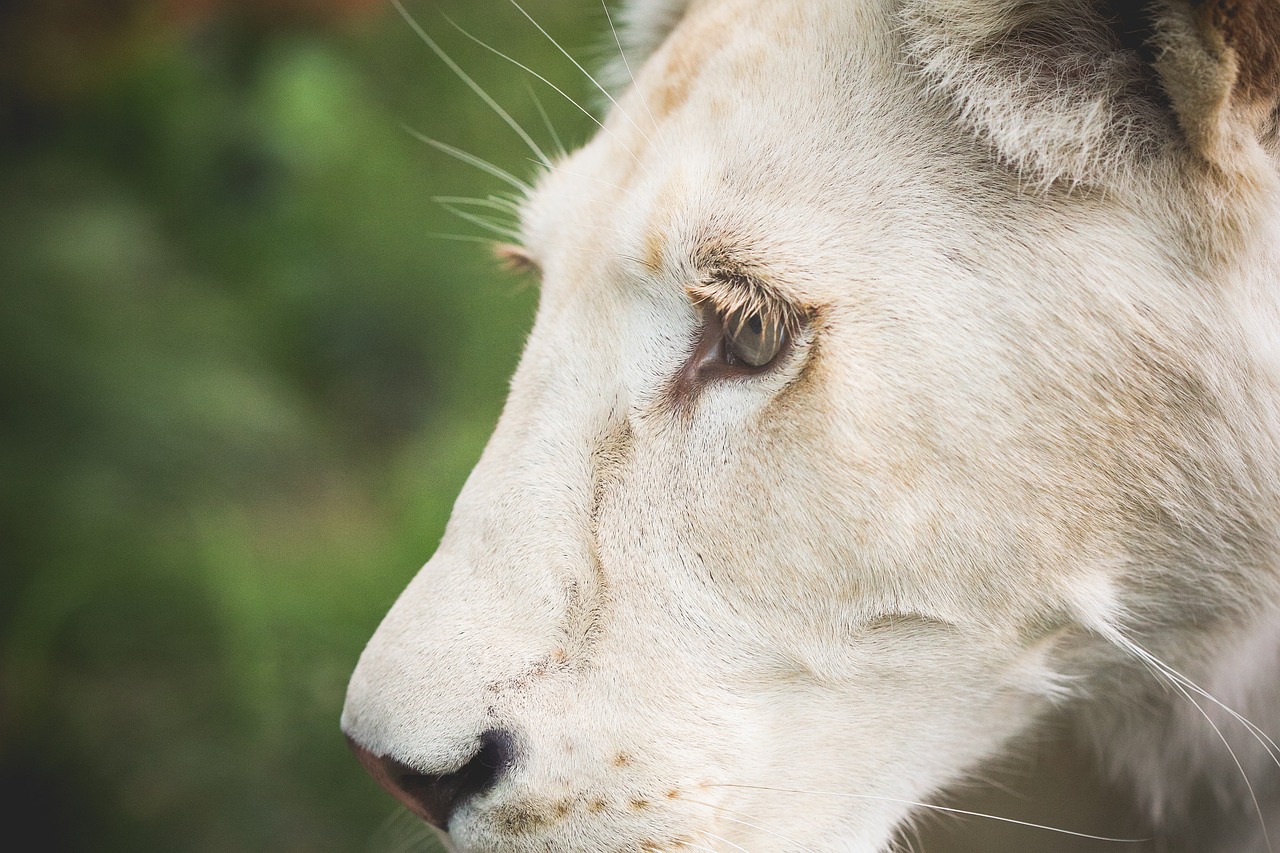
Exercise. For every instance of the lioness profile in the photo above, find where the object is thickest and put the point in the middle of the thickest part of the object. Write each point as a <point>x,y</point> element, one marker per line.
<point>906,379</point>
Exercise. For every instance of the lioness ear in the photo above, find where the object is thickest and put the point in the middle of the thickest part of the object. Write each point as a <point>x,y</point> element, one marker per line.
<point>1084,91</point>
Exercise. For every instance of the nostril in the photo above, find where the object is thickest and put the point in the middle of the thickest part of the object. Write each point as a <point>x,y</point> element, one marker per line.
<point>434,798</point>
<point>495,756</point>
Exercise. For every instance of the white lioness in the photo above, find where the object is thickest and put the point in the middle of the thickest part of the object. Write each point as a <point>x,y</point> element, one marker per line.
<point>906,376</point>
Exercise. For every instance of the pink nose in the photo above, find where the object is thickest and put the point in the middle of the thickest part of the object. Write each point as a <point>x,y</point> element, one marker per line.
<point>435,798</point>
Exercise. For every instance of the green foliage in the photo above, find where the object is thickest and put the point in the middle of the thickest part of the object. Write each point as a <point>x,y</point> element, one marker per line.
<point>239,388</point>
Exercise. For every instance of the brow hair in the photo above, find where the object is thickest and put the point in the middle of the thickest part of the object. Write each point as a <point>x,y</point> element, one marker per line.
<point>733,278</point>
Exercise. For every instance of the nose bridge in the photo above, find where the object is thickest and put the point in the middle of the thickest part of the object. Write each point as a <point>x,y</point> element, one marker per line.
<point>515,589</point>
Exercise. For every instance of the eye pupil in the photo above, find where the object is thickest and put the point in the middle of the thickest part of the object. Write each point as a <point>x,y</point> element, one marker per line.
<point>752,340</point>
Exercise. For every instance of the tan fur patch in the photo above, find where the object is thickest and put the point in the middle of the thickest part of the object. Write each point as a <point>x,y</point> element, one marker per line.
<point>665,206</point>
<point>686,55</point>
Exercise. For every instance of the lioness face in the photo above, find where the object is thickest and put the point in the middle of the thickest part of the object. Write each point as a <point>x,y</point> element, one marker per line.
<point>832,436</point>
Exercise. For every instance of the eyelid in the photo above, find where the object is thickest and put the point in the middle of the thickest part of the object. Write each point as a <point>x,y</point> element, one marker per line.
<point>729,294</point>
<point>705,364</point>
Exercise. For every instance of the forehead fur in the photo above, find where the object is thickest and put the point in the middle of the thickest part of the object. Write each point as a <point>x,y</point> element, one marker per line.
<point>713,140</point>
<point>1168,105</point>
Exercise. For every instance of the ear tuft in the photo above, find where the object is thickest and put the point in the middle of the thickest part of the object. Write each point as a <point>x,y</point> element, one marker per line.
<point>1090,91</point>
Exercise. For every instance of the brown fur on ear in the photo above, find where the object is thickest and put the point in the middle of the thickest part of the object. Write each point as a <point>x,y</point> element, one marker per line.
<point>1250,29</point>
<point>1220,63</point>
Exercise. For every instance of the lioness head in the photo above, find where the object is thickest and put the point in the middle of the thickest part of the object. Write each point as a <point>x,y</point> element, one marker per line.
<point>904,369</point>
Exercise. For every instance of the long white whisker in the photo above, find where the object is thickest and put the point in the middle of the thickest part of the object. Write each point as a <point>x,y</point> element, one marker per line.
<point>511,197</point>
<point>1173,675</point>
<point>626,63</point>
<point>700,847</point>
<point>400,832</point>
<point>932,807</point>
<point>585,199</point>
<point>462,238</point>
<point>489,241</point>
<point>727,814</point>
<point>491,204</point>
<point>593,80</point>
<point>562,92</point>
<point>1262,820</point>
<point>546,119</point>
<point>487,224</point>
<point>592,201</point>
<point>511,204</point>
<point>592,178</point>
<point>724,840</point>
<point>474,86</point>
<point>1258,733</point>
<point>472,160</point>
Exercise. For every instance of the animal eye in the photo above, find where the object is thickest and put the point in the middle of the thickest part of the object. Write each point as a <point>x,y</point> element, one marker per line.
<point>752,338</point>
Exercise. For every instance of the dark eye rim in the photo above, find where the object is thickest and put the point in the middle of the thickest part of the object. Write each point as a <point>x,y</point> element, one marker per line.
<point>707,364</point>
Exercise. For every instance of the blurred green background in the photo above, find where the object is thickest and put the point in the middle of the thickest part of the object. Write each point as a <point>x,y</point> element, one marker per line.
<point>240,386</point>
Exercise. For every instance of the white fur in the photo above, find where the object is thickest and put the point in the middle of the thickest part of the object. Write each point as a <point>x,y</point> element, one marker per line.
<point>1030,433</point>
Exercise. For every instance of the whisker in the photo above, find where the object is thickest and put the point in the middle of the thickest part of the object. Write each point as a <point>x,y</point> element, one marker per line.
<point>622,190</point>
<point>472,84</point>
<point>1184,685</point>
<point>593,80</point>
<point>489,241</point>
<point>627,64</point>
<point>727,814</point>
<point>546,119</point>
<point>589,200</point>
<point>464,238</point>
<point>593,201</point>
<point>586,199</point>
<point>562,93</point>
<point>400,832</point>
<point>490,203</point>
<point>721,838</point>
<point>472,160</point>
<point>931,806</point>
<point>487,224</point>
<point>1262,821</point>
<point>1160,667</point>
<point>509,204</point>
<point>699,847</point>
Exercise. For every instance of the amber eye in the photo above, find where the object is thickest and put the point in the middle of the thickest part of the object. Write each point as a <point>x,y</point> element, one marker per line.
<point>752,338</point>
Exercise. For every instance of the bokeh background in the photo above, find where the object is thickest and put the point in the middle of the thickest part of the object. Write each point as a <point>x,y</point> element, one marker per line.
<point>241,382</point>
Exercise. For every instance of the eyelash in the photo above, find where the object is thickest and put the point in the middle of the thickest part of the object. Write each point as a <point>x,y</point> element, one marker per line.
<point>743,339</point>
<point>750,342</point>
